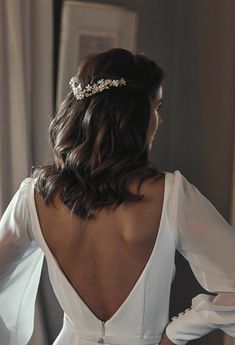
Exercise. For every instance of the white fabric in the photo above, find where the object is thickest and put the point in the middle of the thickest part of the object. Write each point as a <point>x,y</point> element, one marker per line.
<point>189,223</point>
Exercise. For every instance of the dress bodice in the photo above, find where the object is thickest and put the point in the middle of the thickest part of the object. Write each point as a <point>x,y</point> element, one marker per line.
<point>189,223</point>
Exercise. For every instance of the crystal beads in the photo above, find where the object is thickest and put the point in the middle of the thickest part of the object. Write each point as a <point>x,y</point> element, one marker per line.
<point>91,89</point>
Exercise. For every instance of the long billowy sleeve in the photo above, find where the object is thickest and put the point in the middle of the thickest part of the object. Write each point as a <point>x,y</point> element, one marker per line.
<point>20,268</point>
<point>207,241</point>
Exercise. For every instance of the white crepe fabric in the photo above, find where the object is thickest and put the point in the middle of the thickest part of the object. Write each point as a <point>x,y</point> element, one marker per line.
<point>189,223</point>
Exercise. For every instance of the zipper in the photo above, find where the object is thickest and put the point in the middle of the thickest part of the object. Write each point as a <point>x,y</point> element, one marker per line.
<point>101,339</point>
<point>103,328</point>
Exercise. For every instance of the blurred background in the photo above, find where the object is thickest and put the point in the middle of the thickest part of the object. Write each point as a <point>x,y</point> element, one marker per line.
<point>41,45</point>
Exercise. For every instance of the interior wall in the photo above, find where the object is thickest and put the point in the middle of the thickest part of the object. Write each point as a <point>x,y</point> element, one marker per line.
<point>193,42</point>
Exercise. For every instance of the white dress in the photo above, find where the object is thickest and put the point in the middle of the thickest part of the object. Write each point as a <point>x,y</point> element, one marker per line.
<point>189,223</point>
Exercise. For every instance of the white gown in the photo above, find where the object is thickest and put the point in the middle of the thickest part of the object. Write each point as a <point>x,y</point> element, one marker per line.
<point>189,223</point>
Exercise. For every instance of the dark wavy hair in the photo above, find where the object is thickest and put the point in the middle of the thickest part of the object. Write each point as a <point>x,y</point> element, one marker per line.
<point>99,144</point>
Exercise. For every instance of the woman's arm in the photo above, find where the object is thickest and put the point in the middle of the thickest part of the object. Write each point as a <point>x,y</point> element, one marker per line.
<point>20,269</point>
<point>207,242</point>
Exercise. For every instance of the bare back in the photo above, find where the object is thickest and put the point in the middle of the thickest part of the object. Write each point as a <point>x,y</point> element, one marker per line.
<point>103,258</point>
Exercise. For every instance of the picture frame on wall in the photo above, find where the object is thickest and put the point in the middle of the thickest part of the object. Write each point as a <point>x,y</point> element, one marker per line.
<point>88,28</point>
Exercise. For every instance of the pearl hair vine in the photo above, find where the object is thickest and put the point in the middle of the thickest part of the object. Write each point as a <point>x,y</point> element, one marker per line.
<point>91,89</point>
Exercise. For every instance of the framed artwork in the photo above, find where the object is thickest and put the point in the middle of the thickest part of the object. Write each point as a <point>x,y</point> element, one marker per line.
<point>88,28</point>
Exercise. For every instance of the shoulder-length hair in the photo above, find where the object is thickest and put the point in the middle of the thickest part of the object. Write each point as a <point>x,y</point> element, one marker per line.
<point>99,143</point>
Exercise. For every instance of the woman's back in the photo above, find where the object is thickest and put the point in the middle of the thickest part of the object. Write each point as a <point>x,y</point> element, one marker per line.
<point>112,269</point>
<point>186,218</point>
<point>103,258</point>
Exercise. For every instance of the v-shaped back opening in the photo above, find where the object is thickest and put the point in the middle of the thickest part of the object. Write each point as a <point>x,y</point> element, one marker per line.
<point>48,251</point>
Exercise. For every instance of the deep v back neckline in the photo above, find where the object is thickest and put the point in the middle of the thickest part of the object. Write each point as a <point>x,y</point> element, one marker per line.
<point>64,277</point>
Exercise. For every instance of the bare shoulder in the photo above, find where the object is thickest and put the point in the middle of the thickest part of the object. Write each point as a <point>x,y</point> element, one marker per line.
<point>158,180</point>
<point>40,204</point>
<point>150,182</point>
<point>155,184</point>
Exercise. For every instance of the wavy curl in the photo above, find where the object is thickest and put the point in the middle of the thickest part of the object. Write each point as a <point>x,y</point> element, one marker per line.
<point>99,144</point>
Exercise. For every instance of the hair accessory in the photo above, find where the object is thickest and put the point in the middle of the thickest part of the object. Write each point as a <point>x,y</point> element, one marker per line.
<point>91,89</point>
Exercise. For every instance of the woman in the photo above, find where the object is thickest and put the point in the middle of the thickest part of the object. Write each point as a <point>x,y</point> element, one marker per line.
<point>108,222</point>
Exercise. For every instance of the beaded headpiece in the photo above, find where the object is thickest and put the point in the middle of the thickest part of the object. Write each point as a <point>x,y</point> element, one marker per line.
<point>91,89</point>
